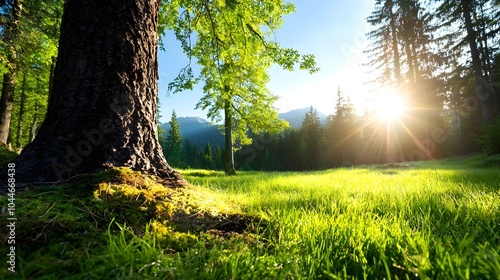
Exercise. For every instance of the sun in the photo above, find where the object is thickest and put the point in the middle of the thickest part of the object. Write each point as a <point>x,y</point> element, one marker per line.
<point>390,106</point>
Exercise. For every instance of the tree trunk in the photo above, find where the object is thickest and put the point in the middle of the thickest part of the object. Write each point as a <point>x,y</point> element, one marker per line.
<point>483,89</point>
<point>9,78</point>
<point>6,104</point>
<point>411,75</point>
<point>102,109</point>
<point>51,78</point>
<point>21,115</point>
<point>228,127</point>
<point>34,125</point>
<point>395,49</point>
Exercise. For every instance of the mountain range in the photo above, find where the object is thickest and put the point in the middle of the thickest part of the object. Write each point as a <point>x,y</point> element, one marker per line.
<point>296,117</point>
<point>199,131</point>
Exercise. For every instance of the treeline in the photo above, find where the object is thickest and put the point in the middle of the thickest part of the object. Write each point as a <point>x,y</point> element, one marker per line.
<point>29,34</point>
<point>443,57</point>
<point>182,153</point>
<point>347,139</point>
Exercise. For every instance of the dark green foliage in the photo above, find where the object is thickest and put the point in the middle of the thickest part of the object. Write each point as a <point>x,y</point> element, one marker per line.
<point>490,161</point>
<point>173,148</point>
<point>343,134</point>
<point>489,140</point>
<point>218,159</point>
<point>208,158</point>
<point>36,48</point>
<point>311,145</point>
<point>6,155</point>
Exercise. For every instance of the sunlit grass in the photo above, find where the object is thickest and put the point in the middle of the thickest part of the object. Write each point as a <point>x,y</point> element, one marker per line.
<point>433,220</point>
<point>436,222</point>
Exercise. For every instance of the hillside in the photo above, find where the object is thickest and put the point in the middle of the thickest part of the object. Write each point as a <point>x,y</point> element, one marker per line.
<point>199,131</point>
<point>296,117</point>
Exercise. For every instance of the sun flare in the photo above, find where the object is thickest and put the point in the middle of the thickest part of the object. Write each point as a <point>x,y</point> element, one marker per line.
<point>390,106</point>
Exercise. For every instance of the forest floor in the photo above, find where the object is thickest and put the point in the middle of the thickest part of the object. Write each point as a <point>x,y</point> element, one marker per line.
<point>419,220</point>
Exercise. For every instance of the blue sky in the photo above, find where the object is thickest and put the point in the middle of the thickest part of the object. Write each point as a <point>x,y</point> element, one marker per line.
<point>333,30</point>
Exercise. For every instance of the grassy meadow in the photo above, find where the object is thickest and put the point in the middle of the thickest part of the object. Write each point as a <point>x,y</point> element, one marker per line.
<point>432,220</point>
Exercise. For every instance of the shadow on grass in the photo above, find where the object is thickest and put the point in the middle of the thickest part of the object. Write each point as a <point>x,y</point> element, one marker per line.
<point>60,226</point>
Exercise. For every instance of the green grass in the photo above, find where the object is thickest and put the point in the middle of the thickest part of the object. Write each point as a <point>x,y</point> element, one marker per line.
<point>432,220</point>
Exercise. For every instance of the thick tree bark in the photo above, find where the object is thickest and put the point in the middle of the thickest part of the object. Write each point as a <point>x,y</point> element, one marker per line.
<point>9,78</point>
<point>102,108</point>
<point>228,127</point>
<point>484,91</point>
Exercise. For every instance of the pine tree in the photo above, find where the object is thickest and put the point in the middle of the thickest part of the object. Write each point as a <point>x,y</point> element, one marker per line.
<point>312,139</point>
<point>208,158</point>
<point>469,32</point>
<point>191,152</point>
<point>401,53</point>
<point>218,158</point>
<point>173,148</point>
<point>484,89</point>
<point>343,134</point>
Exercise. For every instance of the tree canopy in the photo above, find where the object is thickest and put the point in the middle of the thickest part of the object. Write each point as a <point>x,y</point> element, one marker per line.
<point>234,47</point>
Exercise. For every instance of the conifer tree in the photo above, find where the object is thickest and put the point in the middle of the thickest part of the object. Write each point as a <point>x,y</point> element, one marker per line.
<point>208,158</point>
<point>407,60</point>
<point>173,147</point>
<point>312,139</point>
<point>343,134</point>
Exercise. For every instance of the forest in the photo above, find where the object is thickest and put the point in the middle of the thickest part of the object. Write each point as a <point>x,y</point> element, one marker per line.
<point>422,48</point>
<point>93,188</point>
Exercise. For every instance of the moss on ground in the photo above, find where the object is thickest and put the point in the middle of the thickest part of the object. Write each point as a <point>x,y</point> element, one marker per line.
<point>59,225</point>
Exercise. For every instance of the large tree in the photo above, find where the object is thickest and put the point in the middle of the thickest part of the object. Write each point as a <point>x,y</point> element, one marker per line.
<point>484,90</point>
<point>406,59</point>
<point>102,108</point>
<point>235,45</point>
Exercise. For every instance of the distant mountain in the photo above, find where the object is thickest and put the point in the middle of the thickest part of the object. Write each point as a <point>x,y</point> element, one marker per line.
<point>199,131</point>
<point>296,117</point>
